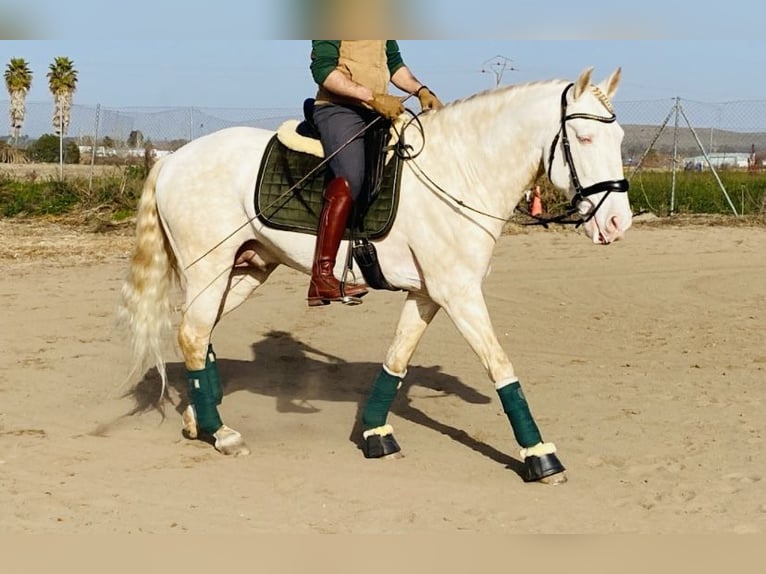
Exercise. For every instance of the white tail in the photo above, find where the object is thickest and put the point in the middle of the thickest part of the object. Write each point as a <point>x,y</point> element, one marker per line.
<point>145,309</point>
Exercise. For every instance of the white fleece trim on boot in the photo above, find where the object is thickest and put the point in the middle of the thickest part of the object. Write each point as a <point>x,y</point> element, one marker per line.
<point>540,449</point>
<point>505,382</point>
<point>380,431</point>
<point>393,374</point>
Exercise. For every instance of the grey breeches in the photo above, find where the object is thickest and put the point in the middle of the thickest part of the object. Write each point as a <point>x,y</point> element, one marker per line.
<point>337,125</point>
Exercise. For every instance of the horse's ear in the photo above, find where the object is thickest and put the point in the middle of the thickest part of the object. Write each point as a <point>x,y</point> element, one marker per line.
<point>583,82</point>
<point>612,83</point>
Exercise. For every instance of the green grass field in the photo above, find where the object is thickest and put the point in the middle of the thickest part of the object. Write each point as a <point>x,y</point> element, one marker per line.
<point>699,192</point>
<point>695,193</point>
<point>116,193</point>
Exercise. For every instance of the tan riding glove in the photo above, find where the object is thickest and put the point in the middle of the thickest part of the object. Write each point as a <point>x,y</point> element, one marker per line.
<point>386,105</point>
<point>428,100</point>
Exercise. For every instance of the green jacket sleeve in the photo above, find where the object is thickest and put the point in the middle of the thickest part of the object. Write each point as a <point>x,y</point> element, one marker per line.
<point>324,58</point>
<point>393,56</point>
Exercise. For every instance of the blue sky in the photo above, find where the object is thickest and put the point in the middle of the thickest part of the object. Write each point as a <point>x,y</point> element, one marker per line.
<point>228,53</point>
<point>246,73</point>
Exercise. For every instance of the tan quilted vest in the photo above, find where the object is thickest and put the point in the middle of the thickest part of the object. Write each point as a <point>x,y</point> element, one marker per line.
<point>364,62</point>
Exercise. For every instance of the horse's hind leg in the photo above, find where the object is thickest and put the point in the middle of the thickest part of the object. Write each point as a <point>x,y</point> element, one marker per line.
<point>205,303</point>
<point>379,441</point>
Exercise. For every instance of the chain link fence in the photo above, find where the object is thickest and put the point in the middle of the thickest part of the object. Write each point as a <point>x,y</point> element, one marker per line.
<point>669,135</point>
<point>671,127</point>
<point>695,157</point>
<point>683,130</point>
<point>123,132</point>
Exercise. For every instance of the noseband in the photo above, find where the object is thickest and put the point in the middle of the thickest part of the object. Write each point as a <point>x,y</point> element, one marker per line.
<point>619,185</point>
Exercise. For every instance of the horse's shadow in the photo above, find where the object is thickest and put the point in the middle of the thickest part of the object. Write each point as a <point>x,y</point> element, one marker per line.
<point>296,374</point>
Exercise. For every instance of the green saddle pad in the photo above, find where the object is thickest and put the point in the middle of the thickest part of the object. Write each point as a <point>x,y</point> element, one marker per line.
<point>281,204</point>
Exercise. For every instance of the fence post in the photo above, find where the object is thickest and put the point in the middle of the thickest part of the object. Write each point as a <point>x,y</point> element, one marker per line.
<point>61,142</point>
<point>710,165</point>
<point>93,145</point>
<point>675,159</point>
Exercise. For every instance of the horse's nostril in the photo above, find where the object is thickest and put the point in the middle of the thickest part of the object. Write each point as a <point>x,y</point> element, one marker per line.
<point>613,225</point>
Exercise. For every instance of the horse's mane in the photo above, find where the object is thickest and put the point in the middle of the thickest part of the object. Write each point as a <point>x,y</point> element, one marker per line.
<point>505,94</point>
<point>498,95</point>
<point>503,91</point>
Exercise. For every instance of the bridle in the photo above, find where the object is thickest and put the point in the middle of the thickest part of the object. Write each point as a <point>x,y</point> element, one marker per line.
<point>581,193</point>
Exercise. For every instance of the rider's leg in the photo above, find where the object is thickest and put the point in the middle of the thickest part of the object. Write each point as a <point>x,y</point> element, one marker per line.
<point>339,127</point>
<point>324,287</point>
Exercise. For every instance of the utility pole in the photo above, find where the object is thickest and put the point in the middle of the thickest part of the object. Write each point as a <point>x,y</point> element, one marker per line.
<point>497,66</point>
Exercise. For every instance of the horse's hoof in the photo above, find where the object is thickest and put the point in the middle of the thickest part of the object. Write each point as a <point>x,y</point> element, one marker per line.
<point>189,418</point>
<point>554,479</point>
<point>393,456</point>
<point>230,442</point>
<point>380,443</point>
<point>225,440</point>
<point>545,468</point>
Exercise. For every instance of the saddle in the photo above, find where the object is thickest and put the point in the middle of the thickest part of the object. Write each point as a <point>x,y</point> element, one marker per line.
<point>292,178</point>
<point>291,181</point>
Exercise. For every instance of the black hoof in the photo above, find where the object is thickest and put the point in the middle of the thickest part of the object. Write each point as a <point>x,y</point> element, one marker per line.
<point>378,446</point>
<point>539,467</point>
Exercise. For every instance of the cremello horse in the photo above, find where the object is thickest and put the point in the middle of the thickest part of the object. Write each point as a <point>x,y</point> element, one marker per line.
<point>196,223</point>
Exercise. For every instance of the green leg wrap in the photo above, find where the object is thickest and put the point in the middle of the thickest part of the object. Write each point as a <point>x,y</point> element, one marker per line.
<point>212,371</point>
<point>203,396</point>
<point>379,402</point>
<point>516,407</point>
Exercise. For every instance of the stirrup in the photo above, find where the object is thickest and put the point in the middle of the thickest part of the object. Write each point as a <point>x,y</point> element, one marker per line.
<point>318,300</point>
<point>349,300</point>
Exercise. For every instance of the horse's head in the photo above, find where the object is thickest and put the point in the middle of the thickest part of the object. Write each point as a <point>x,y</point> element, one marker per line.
<point>585,160</point>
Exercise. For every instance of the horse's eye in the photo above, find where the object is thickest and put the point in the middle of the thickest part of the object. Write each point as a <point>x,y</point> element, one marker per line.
<point>585,139</point>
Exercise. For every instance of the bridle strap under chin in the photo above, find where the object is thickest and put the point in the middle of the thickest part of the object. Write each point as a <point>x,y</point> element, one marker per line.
<point>619,185</point>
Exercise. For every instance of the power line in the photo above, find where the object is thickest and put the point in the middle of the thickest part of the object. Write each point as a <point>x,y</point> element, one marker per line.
<point>497,66</point>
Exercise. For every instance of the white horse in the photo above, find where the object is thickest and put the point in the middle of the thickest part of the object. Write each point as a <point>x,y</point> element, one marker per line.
<point>196,222</point>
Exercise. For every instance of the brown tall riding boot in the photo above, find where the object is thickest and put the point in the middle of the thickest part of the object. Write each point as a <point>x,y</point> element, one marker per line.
<point>324,287</point>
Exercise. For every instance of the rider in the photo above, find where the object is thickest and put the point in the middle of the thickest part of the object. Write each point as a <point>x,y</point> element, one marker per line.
<point>352,77</point>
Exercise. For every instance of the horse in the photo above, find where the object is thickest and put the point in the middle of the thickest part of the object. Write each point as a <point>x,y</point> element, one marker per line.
<point>196,227</point>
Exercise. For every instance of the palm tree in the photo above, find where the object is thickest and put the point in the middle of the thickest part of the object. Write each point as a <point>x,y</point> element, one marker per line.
<point>62,82</point>
<point>18,80</point>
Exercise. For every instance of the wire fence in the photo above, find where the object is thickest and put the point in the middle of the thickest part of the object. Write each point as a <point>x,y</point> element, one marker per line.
<point>670,126</point>
<point>661,136</point>
<point>685,131</point>
<point>117,131</point>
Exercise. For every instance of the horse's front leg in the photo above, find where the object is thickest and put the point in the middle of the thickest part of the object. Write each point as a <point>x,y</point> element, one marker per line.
<point>469,313</point>
<point>201,418</point>
<point>378,436</point>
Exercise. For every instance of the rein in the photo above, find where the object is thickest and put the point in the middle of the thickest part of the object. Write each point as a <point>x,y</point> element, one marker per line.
<point>581,194</point>
<point>287,192</point>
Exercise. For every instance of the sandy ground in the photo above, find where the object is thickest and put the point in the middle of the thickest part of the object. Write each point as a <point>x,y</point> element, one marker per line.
<point>643,361</point>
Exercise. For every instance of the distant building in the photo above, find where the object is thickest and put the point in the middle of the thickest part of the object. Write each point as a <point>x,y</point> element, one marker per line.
<point>101,151</point>
<point>718,160</point>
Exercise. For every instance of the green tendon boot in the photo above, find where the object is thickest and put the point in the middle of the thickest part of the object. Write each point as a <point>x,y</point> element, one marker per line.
<point>378,436</point>
<point>539,458</point>
<point>204,394</point>
<point>215,379</point>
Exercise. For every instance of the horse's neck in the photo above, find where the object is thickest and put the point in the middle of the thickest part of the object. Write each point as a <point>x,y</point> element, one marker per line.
<point>491,143</point>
